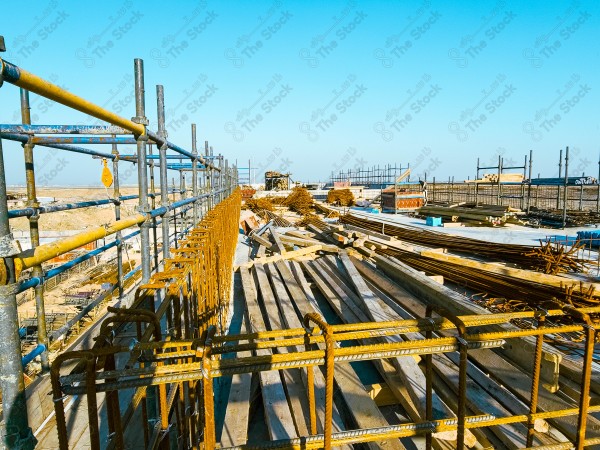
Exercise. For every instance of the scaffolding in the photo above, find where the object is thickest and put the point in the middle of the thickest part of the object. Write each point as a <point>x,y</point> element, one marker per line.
<point>375,177</point>
<point>213,180</point>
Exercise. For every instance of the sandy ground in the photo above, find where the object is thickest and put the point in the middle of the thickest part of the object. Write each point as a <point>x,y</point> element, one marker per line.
<point>77,219</point>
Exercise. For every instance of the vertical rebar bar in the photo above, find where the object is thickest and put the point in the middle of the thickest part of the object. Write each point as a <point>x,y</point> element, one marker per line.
<point>34,232</point>
<point>117,195</point>
<point>164,181</point>
<point>14,428</point>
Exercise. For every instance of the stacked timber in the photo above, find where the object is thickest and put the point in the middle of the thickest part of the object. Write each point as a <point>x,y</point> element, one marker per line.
<point>502,178</point>
<point>489,215</point>
<point>370,287</point>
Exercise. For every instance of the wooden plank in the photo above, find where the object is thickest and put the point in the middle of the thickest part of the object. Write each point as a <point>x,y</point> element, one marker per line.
<point>361,406</point>
<point>278,245</point>
<point>290,320</point>
<point>299,234</point>
<point>478,400</point>
<point>351,313</point>
<point>430,292</point>
<point>277,411</point>
<point>235,424</point>
<point>407,367</point>
<point>296,394</point>
<point>287,255</point>
<point>261,240</point>
<point>300,242</point>
<point>522,274</point>
<point>520,385</point>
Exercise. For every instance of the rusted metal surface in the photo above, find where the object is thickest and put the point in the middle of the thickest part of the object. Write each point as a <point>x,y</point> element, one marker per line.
<point>199,359</point>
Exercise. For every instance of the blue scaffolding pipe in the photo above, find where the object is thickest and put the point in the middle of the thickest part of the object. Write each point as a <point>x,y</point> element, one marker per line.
<point>62,129</point>
<point>149,157</point>
<point>35,281</point>
<point>185,166</point>
<point>82,140</point>
<point>37,351</point>
<point>70,148</point>
<point>27,212</point>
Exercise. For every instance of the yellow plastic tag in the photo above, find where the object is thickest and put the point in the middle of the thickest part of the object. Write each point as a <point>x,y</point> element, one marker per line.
<point>107,178</point>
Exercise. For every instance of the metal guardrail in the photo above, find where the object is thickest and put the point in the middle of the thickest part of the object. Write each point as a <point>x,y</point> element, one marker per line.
<point>212,180</point>
<point>182,369</point>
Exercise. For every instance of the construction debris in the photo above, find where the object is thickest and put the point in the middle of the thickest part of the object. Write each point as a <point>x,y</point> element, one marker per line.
<point>550,259</point>
<point>299,200</point>
<point>340,197</point>
<point>490,215</point>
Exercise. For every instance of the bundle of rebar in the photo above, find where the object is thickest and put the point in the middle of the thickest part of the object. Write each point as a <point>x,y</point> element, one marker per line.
<point>340,197</point>
<point>554,217</point>
<point>299,200</point>
<point>550,259</point>
<point>526,292</point>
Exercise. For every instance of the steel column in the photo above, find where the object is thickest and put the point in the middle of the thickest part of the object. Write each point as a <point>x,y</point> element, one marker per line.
<point>194,174</point>
<point>117,195</point>
<point>142,140</point>
<point>164,182</point>
<point>14,429</point>
<point>34,233</point>
<point>566,189</point>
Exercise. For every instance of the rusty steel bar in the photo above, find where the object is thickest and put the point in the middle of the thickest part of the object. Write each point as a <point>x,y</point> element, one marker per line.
<point>535,377</point>
<point>586,373</point>
<point>329,372</point>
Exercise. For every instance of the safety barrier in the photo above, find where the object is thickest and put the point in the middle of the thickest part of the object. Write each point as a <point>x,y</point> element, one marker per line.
<point>212,180</point>
<point>183,371</point>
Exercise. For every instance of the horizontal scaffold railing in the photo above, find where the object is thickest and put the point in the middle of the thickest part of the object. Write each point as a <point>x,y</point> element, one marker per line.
<point>173,210</point>
<point>169,365</point>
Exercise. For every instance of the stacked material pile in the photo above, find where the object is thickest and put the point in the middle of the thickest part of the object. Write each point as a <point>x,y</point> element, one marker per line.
<point>550,259</point>
<point>340,197</point>
<point>299,200</point>
<point>259,204</point>
<point>503,177</point>
<point>554,217</point>
<point>282,285</point>
<point>489,215</point>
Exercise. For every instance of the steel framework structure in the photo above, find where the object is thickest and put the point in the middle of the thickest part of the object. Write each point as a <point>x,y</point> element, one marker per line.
<point>212,181</point>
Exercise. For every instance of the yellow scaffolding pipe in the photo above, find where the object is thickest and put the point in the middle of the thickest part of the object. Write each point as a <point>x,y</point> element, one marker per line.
<point>33,83</point>
<point>43,253</point>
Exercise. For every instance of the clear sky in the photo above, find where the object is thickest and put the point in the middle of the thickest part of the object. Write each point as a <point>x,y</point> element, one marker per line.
<point>311,87</point>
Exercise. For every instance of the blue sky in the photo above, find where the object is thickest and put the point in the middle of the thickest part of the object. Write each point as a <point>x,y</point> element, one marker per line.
<point>314,87</point>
